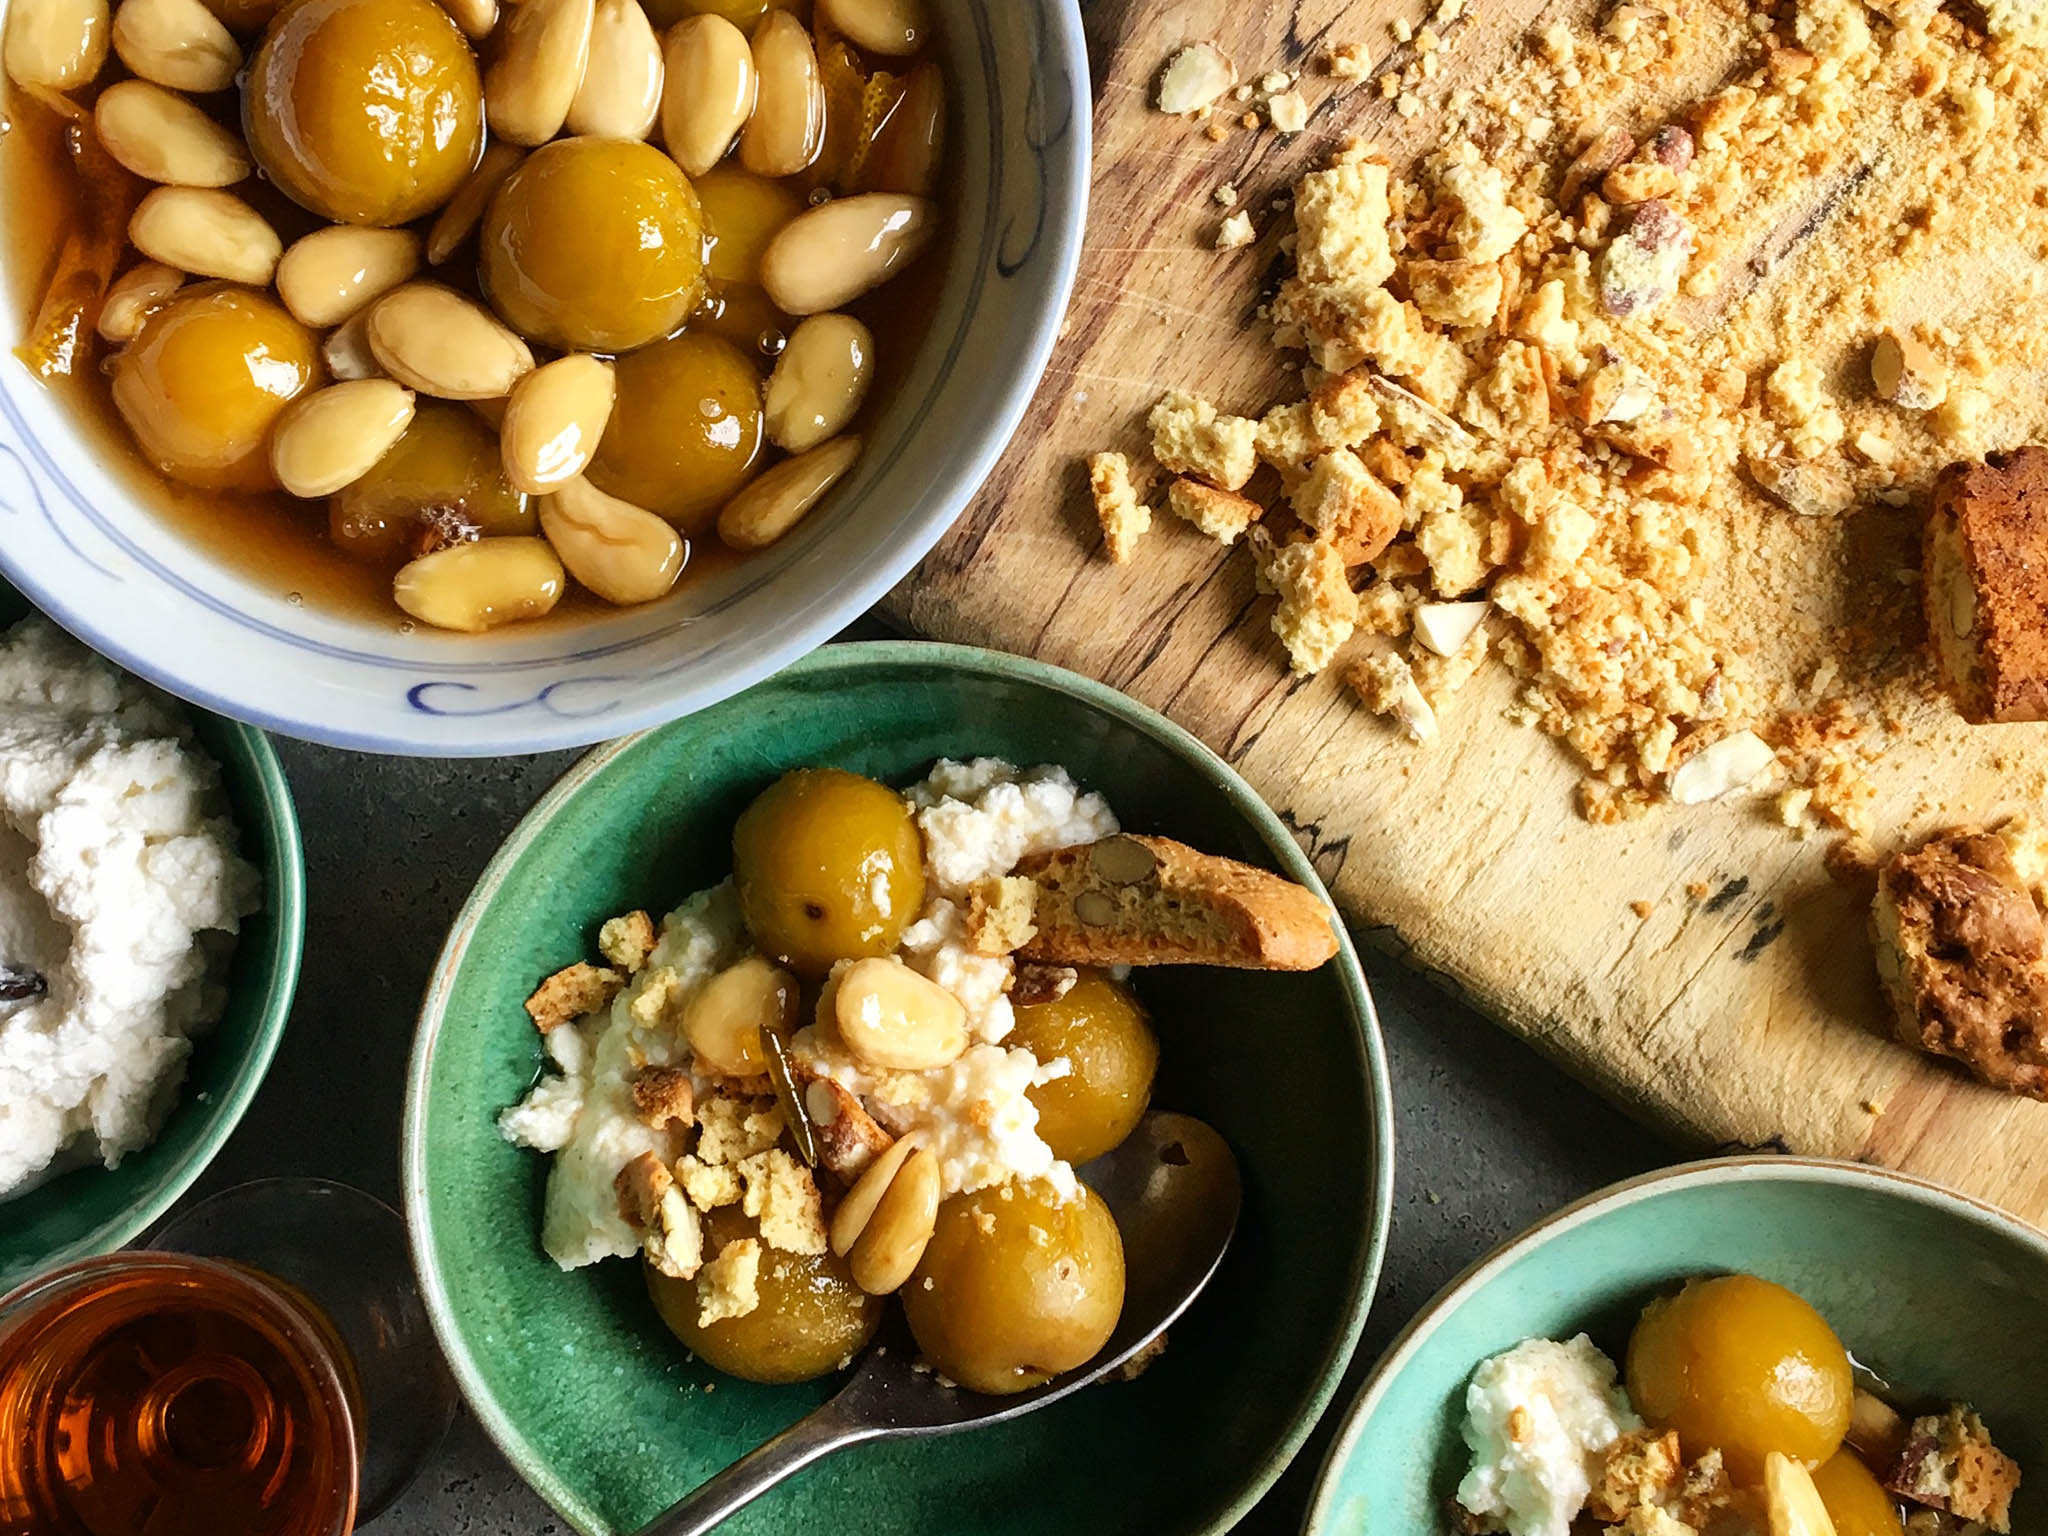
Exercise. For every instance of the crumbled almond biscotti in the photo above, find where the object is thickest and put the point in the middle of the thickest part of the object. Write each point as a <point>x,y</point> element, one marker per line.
<point>1949,1463</point>
<point>1459,294</point>
<point>674,1243</point>
<point>662,1096</point>
<point>1642,1467</point>
<point>999,911</point>
<point>1485,227</point>
<point>732,1130</point>
<point>1340,222</point>
<point>1318,610</point>
<point>1124,518</point>
<point>1342,412</point>
<point>1191,437</point>
<point>570,993</point>
<point>1385,684</point>
<point>708,1185</point>
<point>639,1187</point>
<point>730,1285</point>
<point>627,941</point>
<point>783,1197</point>
<point>1222,515</point>
<point>1511,399</point>
<point>1347,507</point>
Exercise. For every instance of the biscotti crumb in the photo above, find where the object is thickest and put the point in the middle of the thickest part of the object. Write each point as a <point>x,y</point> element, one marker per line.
<point>1191,437</point>
<point>1222,515</point>
<point>1124,518</point>
<point>1318,610</point>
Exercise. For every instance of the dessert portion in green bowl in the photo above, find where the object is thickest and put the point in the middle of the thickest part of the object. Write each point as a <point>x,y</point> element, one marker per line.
<point>894,762</point>
<point>1751,1347</point>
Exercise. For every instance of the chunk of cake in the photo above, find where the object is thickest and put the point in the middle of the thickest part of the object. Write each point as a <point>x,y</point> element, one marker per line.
<point>1987,607</point>
<point>1960,947</point>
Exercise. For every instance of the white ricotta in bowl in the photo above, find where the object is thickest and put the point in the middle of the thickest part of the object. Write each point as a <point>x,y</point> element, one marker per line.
<point>1535,1418</point>
<point>979,819</point>
<point>121,892</point>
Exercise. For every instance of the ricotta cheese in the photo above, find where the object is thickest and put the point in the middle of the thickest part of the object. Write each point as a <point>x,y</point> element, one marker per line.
<point>121,892</point>
<point>1535,1417</point>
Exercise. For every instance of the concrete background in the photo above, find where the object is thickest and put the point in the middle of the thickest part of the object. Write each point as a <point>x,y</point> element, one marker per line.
<point>1489,1136</point>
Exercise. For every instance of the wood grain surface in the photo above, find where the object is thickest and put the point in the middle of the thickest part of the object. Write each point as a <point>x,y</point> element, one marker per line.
<point>1749,1014</point>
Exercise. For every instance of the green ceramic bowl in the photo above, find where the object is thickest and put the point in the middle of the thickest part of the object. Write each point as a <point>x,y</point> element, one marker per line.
<point>95,1210</point>
<point>573,1376</point>
<point>1941,1296</point>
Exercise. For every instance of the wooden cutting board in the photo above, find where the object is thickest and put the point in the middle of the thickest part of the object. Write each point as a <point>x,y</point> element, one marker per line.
<point>1743,1008</point>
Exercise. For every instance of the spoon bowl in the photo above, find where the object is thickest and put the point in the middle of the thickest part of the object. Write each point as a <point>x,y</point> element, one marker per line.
<point>1175,1191</point>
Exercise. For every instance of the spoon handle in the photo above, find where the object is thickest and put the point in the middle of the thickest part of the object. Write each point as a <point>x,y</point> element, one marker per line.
<point>810,1438</point>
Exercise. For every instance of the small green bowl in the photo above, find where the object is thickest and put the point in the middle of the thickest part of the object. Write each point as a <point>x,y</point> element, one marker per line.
<point>573,1375</point>
<point>1941,1296</point>
<point>96,1210</point>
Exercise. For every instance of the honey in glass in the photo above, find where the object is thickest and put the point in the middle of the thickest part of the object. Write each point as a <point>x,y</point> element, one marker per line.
<point>152,1394</point>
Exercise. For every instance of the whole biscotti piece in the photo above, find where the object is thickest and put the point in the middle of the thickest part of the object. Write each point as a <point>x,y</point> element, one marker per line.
<point>1985,553</point>
<point>1130,900</point>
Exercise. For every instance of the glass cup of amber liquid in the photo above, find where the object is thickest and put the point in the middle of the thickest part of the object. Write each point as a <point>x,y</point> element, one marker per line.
<point>158,1394</point>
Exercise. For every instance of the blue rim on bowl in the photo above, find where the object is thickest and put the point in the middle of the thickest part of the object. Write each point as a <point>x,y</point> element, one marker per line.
<point>1336,1509</point>
<point>469,1342</point>
<point>132,586</point>
<point>94,1210</point>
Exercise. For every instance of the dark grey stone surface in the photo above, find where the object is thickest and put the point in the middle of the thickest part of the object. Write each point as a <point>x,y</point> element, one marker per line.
<point>1489,1137</point>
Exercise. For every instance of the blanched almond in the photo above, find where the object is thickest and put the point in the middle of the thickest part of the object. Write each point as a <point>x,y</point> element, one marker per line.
<point>60,44</point>
<point>620,96</point>
<point>828,256</point>
<point>553,421</point>
<point>880,26</point>
<point>132,295</point>
<point>858,1208</point>
<point>178,44</point>
<point>539,68</point>
<point>892,1017</point>
<point>709,92</point>
<point>162,137</point>
<point>335,436</point>
<point>788,126</point>
<point>778,500</point>
<point>819,382</point>
<point>206,232</point>
<point>465,210</point>
<point>346,351</point>
<point>623,553</point>
<point>444,344</point>
<point>475,17</point>
<point>478,586</point>
<point>912,144</point>
<point>332,273</point>
<point>724,1020</point>
<point>900,1229</point>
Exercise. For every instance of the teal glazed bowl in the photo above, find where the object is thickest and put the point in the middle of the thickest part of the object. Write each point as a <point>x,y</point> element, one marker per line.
<point>1941,1296</point>
<point>574,1376</point>
<point>96,1210</point>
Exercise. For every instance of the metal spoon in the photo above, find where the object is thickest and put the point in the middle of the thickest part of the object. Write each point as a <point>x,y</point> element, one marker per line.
<point>1174,1189</point>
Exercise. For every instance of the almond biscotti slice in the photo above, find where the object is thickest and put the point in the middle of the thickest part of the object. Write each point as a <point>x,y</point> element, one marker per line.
<point>1131,900</point>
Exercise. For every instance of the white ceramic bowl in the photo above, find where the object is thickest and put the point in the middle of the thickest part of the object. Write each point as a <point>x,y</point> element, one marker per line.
<point>76,540</point>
